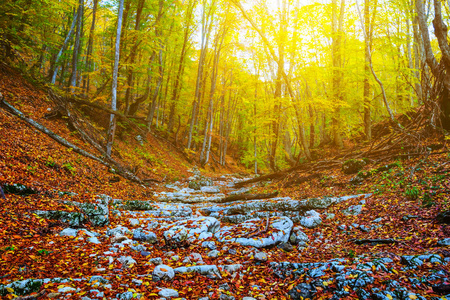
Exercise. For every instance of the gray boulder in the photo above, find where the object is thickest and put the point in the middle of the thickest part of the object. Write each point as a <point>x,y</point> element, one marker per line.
<point>168,293</point>
<point>145,236</point>
<point>126,261</point>
<point>74,219</point>
<point>97,213</point>
<point>302,291</point>
<point>69,232</point>
<point>353,166</point>
<point>311,219</point>
<point>191,230</point>
<point>163,272</point>
<point>353,210</point>
<point>22,287</point>
<point>280,228</point>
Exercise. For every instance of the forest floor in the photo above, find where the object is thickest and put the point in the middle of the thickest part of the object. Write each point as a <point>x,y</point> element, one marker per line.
<point>399,205</point>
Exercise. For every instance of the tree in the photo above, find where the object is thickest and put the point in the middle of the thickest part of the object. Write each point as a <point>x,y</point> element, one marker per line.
<point>112,120</point>
<point>441,71</point>
<point>76,47</point>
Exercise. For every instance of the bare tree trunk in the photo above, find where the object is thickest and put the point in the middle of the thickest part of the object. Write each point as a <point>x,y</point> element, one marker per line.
<point>337,33</point>
<point>367,100</point>
<point>63,48</point>
<point>207,20</point>
<point>178,78</point>
<point>386,103</point>
<point>76,47</point>
<point>112,120</point>
<point>86,81</point>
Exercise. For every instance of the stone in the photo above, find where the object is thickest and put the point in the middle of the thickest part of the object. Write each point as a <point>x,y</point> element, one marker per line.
<point>97,278</point>
<point>196,257</point>
<point>377,220</point>
<point>163,272</point>
<point>353,166</point>
<point>210,189</point>
<point>209,244</point>
<point>94,240</point>
<point>302,291</point>
<point>168,293</point>
<point>231,268</point>
<point>342,227</point>
<point>311,219</point>
<point>97,213</point>
<point>285,247</point>
<point>156,261</point>
<point>191,229</point>
<point>261,256</point>
<point>69,232</point>
<point>213,253</point>
<point>125,296</point>
<point>279,228</point>
<point>210,271</point>
<point>67,289</point>
<point>118,238</point>
<point>444,242</point>
<point>22,287</point>
<point>74,219</point>
<point>119,229</point>
<point>144,235</point>
<point>136,205</point>
<point>134,222</point>
<point>197,184</point>
<point>353,210</point>
<point>126,261</point>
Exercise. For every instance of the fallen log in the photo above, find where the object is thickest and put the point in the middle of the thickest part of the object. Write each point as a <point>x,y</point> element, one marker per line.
<point>375,241</point>
<point>247,197</point>
<point>110,163</point>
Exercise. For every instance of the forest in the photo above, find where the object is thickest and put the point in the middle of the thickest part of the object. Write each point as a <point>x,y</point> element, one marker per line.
<point>224,149</point>
<point>273,81</point>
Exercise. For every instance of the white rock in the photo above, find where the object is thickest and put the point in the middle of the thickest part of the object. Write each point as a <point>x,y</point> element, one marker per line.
<point>163,272</point>
<point>134,222</point>
<point>69,232</point>
<point>196,257</point>
<point>67,289</point>
<point>191,229</point>
<point>231,268</point>
<point>311,219</point>
<point>126,261</point>
<point>119,229</point>
<point>280,228</point>
<point>118,238</point>
<point>213,253</point>
<point>93,240</point>
<point>261,256</point>
<point>207,270</point>
<point>210,189</point>
<point>168,293</point>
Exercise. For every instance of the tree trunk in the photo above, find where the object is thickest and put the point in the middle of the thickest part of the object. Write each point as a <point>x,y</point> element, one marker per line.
<point>207,20</point>
<point>86,80</point>
<point>133,55</point>
<point>76,47</point>
<point>337,33</point>
<point>112,120</point>
<point>367,100</point>
<point>63,48</point>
